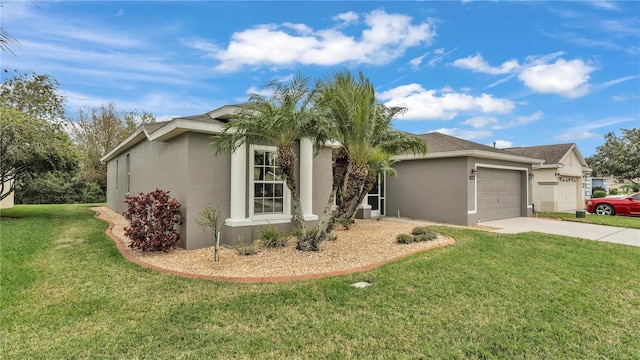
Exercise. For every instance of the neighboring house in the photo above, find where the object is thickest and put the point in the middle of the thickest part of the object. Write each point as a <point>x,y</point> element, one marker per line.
<point>7,202</point>
<point>562,182</point>
<point>459,182</point>
<point>246,186</point>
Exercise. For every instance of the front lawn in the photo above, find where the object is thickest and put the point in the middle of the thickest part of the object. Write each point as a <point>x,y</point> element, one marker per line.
<point>67,293</point>
<point>620,221</point>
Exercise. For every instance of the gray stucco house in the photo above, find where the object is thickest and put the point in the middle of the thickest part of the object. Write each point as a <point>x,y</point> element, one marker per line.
<point>245,186</point>
<point>457,182</point>
<point>460,182</point>
<point>562,182</point>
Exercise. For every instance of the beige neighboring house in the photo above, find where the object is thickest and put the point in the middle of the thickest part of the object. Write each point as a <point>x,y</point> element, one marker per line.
<point>561,183</point>
<point>7,202</point>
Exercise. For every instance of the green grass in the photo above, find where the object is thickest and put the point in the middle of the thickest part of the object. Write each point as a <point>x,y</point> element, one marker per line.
<point>620,221</point>
<point>68,294</point>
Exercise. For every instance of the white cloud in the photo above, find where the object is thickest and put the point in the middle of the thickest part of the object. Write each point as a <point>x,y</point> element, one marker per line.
<point>584,129</point>
<point>347,18</point>
<point>479,122</point>
<point>603,5</point>
<point>478,64</point>
<point>465,134</point>
<point>520,120</point>
<point>566,78</point>
<point>502,144</point>
<point>385,38</point>
<point>445,104</point>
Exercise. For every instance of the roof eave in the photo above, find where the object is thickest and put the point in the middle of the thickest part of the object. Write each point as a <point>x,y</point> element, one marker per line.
<point>137,136</point>
<point>471,153</point>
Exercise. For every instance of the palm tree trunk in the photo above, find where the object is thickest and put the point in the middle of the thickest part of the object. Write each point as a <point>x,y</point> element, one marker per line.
<point>287,159</point>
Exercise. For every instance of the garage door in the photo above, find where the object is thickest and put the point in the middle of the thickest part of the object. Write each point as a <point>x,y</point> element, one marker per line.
<point>567,193</point>
<point>499,194</point>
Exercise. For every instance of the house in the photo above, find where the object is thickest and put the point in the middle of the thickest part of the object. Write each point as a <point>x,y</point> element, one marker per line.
<point>562,182</point>
<point>245,186</point>
<point>459,182</point>
<point>7,202</point>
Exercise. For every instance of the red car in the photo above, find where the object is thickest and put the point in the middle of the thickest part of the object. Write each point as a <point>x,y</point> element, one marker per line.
<point>626,205</point>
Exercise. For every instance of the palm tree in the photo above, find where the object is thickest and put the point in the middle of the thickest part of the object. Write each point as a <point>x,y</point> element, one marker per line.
<point>281,119</point>
<point>368,143</point>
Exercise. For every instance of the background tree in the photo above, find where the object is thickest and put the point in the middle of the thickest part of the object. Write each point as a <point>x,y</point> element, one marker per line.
<point>99,130</point>
<point>31,147</point>
<point>34,94</point>
<point>33,141</point>
<point>619,157</point>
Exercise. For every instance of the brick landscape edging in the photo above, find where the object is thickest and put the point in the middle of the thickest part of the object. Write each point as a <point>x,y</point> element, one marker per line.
<point>253,279</point>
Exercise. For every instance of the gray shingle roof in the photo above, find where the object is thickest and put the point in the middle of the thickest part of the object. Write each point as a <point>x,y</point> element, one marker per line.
<point>151,127</point>
<point>552,154</point>
<point>438,142</point>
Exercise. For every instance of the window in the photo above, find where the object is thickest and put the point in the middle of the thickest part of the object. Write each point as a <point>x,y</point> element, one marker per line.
<point>269,192</point>
<point>128,171</point>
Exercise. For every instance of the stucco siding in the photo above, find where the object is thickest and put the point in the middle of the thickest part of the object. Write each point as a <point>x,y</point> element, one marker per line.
<point>206,182</point>
<point>148,166</point>
<point>322,180</point>
<point>434,189</point>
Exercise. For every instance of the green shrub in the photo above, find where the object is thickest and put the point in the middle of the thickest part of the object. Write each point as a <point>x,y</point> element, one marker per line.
<point>599,194</point>
<point>272,237</point>
<point>613,191</point>
<point>420,230</point>
<point>244,247</point>
<point>425,237</point>
<point>404,239</point>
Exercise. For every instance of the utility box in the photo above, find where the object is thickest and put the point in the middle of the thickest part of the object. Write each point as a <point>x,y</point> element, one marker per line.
<point>581,213</point>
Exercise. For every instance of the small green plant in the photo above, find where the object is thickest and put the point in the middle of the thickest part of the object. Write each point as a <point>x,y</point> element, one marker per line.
<point>599,194</point>
<point>244,247</point>
<point>272,237</point>
<point>419,230</point>
<point>404,239</point>
<point>346,223</point>
<point>210,219</point>
<point>425,237</point>
<point>613,191</point>
<point>418,234</point>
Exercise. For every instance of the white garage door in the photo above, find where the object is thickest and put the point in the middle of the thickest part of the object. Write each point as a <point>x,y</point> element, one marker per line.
<point>567,193</point>
<point>499,194</point>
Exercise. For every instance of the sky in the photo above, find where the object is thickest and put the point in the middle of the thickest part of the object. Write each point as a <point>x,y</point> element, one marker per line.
<point>523,73</point>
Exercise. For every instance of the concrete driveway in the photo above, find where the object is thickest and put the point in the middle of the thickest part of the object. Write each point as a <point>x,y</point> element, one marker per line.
<point>567,228</point>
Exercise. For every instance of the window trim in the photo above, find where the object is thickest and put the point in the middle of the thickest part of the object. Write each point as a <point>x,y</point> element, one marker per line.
<point>285,216</point>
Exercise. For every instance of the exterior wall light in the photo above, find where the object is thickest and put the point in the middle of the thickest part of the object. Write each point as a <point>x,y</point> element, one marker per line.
<point>531,176</point>
<point>474,172</point>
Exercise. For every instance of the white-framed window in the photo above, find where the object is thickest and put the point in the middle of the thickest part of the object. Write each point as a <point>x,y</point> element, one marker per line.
<point>269,197</point>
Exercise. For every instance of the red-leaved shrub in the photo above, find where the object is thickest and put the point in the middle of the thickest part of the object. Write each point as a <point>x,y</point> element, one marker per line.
<point>152,220</point>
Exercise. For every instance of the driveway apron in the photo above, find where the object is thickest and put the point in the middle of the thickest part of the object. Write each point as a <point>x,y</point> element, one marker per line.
<point>611,234</point>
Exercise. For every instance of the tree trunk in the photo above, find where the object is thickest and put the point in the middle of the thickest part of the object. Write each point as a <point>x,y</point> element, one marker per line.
<point>286,159</point>
<point>340,168</point>
<point>320,232</point>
